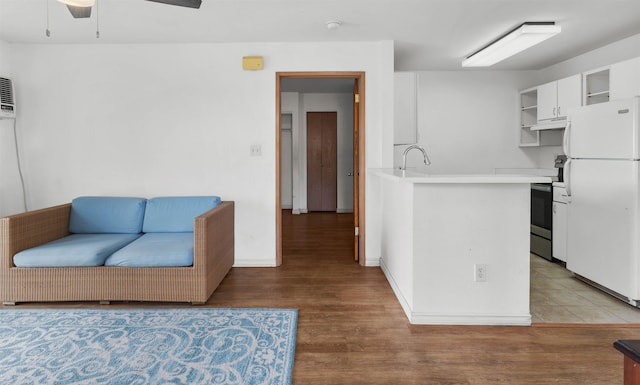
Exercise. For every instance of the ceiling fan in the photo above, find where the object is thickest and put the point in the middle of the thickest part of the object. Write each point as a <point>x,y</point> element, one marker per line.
<point>82,8</point>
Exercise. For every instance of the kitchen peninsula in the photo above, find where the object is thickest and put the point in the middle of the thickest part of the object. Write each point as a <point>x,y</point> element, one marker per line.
<point>455,248</point>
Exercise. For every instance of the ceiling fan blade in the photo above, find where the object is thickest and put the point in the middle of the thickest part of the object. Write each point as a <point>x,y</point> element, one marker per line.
<point>79,12</point>
<point>180,3</point>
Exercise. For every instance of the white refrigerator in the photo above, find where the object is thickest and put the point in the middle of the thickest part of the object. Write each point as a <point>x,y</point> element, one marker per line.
<point>602,177</point>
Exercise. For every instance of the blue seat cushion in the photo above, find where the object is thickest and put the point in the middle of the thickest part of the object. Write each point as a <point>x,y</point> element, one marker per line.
<point>113,215</point>
<point>175,214</point>
<point>74,250</point>
<point>155,250</point>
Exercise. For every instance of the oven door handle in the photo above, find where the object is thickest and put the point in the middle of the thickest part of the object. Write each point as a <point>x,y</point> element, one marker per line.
<point>541,187</point>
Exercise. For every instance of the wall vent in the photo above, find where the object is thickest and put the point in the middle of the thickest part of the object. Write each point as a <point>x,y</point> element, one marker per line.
<point>7,104</point>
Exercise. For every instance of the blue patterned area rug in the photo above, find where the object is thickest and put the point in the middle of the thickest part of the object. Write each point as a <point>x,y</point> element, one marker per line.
<point>159,346</point>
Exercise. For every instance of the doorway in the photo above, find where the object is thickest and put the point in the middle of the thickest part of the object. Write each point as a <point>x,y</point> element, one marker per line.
<point>355,112</point>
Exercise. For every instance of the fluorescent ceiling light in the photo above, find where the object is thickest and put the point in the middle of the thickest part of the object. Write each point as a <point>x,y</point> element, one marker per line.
<point>522,37</point>
<point>78,3</point>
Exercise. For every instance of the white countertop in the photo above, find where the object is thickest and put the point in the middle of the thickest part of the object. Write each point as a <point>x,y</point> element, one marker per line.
<point>415,176</point>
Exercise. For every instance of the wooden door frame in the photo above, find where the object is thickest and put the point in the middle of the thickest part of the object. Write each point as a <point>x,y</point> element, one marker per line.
<point>360,76</point>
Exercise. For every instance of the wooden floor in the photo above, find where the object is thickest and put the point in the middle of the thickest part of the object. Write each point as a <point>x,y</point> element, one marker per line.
<point>351,328</point>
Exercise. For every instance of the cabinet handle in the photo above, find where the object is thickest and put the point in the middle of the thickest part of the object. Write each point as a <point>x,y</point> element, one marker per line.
<point>554,208</point>
<point>554,111</point>
<point>559,111</point>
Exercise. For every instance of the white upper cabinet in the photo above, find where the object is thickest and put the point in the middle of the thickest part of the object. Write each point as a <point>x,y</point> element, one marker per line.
<point>544,109</point>
<point>625,79</point>
<point>532,135</point>
<point>405,112</point>
<point>569,94</point>
<point>556,98</point>
<point>547,101</point>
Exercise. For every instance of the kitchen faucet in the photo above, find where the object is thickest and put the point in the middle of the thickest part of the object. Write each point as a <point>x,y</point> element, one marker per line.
<point>414,146</point>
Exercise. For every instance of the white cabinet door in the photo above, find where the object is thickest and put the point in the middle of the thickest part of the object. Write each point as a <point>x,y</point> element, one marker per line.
<point>625,79</point>
<point>557,98</point>
<point>405,115</point>
<point>569,95</point>
<point>559,236</point>
<point>547,101</point>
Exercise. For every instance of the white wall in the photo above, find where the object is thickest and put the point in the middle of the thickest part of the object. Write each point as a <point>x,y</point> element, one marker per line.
<point>290,104</point>
<point>621,50</point>
<point>468,121</point>
<point>150,120</point>
<point>5,69</point>
<point>11,201</point>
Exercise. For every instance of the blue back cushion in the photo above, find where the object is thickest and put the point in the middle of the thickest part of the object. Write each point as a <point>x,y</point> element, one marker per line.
<point>175,214</point>
<point>100,215</point>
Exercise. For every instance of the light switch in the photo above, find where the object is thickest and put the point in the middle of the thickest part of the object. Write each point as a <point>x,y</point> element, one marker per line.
<point>256,150</point>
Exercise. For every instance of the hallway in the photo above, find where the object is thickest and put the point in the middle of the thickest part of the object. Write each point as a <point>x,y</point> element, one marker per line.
<point>318,237</point>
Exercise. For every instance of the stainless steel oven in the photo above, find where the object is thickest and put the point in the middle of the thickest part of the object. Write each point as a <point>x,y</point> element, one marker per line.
<point>541,219</point>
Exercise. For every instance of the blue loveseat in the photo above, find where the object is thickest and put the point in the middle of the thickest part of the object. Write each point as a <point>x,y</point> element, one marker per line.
<point>175,249</point>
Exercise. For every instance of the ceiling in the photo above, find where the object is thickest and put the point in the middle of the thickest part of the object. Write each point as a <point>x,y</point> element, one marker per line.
<point>428,34</point>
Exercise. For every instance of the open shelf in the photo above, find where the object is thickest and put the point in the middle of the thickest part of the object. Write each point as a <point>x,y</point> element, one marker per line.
<point>596,86</point>
<point>529,118</point>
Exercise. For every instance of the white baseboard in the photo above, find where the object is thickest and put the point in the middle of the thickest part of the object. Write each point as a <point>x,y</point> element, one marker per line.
<point>406,307</point>
<point>470,319</point>
<point>372,262</point>
<point>253,263</point>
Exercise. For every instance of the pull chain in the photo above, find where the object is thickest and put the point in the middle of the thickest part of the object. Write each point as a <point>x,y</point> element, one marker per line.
<point>97,19</point>
<point>48,33</point>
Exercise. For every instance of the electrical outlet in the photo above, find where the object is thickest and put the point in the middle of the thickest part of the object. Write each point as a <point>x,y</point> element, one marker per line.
<point>256,150</point>
<point>480,272</point>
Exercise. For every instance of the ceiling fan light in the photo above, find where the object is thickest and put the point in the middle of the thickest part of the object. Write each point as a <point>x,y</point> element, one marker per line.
<point>333,24</point>
<point>79,3</point>
<point>524,36</point>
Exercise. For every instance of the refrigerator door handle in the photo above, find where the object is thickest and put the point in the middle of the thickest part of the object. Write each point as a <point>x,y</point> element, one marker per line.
<point>565,139</point>
<point>566,173</point>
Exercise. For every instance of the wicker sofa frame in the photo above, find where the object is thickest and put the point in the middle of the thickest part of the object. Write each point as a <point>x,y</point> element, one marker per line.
<point>213,258</point>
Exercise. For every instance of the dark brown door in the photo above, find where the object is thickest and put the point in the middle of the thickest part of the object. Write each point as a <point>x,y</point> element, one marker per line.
<point>322,137</point>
